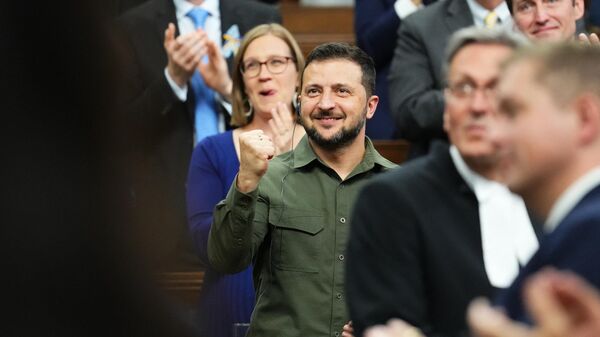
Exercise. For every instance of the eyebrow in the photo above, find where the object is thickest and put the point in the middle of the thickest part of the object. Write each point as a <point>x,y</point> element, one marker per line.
<point>339,85</point>
<point>268,57</point>
<point>467,78</point>
<point>518,2</point>
<point>334,85</point>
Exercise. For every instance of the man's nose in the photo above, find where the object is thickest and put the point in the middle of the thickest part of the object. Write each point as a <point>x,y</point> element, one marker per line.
<point>481,102</point>
<point>327,101</point>
<point>541,14</point>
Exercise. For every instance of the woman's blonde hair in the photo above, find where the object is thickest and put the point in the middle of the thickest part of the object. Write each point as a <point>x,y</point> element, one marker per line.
<point>240,102</point>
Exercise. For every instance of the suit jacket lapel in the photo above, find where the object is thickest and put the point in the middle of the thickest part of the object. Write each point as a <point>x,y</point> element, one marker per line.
<point>465,201</point>
<point>458,15</point>
<point>447,169</point>
<point>228,16</point>
<point>164,14</point>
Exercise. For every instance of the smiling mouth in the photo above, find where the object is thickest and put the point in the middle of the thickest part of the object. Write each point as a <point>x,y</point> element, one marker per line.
<point>270,92</point>
<point>476,128</point>
<point>327,118</point>
<point>544,30</point>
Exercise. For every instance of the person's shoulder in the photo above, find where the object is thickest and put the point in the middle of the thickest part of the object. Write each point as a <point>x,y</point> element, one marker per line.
<point>585,215</point>
<point>212,145</point>
<point>406,174</point>
<point>426,15</point>
<point>216,140</point>
<point>255,4</point>
<point>144,11</point>
<point>255,8</point>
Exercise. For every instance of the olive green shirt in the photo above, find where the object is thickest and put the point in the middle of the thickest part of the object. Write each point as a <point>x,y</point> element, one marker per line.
<point>294,229</point>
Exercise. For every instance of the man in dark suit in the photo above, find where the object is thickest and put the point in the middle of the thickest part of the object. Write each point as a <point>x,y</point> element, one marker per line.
<point>554,93</point>
<point>376,23</point>
<point>561,303</point>
<point>416,79</point>
<point>160,110</point>
<point>430,236</point>
<point>593,17</point>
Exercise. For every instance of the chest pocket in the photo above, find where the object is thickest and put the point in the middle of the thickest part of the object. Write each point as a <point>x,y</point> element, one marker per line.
<point>296,241</point>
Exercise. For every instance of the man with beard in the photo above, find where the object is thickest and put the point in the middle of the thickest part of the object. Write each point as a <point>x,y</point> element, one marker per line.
<point>290,215</point>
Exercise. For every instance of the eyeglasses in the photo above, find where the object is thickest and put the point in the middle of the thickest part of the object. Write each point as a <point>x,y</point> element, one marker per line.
<point>467,90</point>
<point>275,65</point>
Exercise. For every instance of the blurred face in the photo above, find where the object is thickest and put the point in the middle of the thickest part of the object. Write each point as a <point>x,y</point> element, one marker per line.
<point>334,103</point>
<point>270,74</point>
<point>469,115</point>
<point>552,20</point>
<point>538,135</point>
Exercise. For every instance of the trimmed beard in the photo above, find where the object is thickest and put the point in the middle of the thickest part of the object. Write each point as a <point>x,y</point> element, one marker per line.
<point>339,140</point>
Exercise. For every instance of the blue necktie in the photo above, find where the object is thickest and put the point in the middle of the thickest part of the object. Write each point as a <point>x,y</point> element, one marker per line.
<point>206,122</point>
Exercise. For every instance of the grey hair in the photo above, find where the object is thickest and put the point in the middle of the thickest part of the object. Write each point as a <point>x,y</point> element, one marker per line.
<point>479,35</point>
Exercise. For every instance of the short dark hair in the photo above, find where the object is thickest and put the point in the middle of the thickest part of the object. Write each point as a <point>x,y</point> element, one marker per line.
<point>339,50</point>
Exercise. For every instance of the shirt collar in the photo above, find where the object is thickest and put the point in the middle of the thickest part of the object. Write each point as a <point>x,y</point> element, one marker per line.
<point>304,155</point>
<point>482,187</point>
<point>479,13</point>
<point>182,7</point>
<point>571,197</point>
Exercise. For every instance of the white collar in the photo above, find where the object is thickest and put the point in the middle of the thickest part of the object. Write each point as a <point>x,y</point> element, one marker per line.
<point>571,197</point>
<point>182,7</point>
<point>481,186</point>
<point>479,13</point>
<point>507,237</point>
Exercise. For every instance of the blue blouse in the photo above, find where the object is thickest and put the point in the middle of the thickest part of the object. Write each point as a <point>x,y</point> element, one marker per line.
<point>225,299</point>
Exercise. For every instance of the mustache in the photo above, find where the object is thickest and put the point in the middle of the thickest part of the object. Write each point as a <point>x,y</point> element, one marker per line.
<point>326,114</point>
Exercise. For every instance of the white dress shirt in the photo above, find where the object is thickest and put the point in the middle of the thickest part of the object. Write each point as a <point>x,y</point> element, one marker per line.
<point>479,13</point>
<point>571,197</point>
<point>186,25</point>
<point>507,236</point>
<point>404,8</point>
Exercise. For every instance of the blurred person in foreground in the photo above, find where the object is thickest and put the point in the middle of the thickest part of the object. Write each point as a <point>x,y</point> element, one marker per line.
<point>69,268</point>
<point>550,93</point>
<point>289,216</point>
<point>553,93</point>
<point>266,72</point>
<point>560,303</point>
<point>429,237</point>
